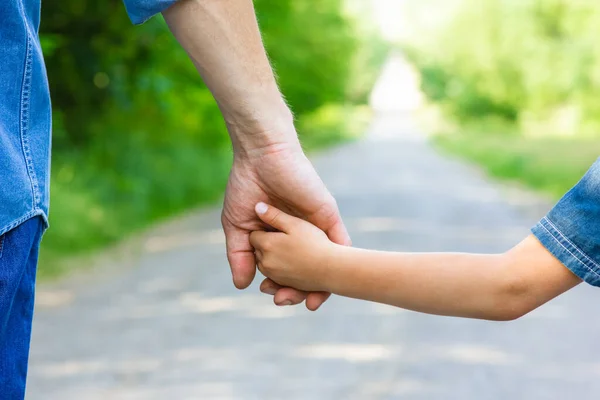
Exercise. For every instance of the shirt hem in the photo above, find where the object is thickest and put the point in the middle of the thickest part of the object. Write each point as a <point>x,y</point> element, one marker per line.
<point>38,212</point>
<point>139,15</point>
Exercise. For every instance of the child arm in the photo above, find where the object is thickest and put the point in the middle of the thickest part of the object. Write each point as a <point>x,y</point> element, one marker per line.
<point>486,286</point>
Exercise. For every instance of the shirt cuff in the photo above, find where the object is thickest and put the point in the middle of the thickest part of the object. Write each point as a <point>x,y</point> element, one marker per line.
<point>140,11</point>
<point>571,230</point>
<point>565,251</point>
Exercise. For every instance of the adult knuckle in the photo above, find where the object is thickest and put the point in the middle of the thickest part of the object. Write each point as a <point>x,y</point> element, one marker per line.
<point>332,203</point>
<point>329,210</point>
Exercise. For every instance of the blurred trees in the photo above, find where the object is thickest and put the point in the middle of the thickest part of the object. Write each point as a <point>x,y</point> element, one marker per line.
<point>532,62</point>
<point>98,63</point>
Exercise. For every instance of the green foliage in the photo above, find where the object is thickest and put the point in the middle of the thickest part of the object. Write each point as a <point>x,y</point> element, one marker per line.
<point>532,62</point>
<point>138,136</point>
<point>518,79</point>
<point>311,47</point>
<point>552,165</point>
<point>333,124</point>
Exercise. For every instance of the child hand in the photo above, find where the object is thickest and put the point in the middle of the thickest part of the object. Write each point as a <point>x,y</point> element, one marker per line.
<point>296,256</point>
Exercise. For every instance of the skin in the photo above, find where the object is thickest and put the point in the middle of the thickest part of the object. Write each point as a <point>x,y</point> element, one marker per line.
<point>223,41</point>
<point>496,287</point>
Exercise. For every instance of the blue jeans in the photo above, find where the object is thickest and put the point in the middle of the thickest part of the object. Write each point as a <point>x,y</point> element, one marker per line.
<point>18,263</point>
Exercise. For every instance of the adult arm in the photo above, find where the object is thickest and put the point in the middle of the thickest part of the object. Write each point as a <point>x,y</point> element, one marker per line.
<point>223,40</point>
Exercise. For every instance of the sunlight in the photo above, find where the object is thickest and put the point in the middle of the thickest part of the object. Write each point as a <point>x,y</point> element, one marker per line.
<point>397,89</point>
<point>388,16</point>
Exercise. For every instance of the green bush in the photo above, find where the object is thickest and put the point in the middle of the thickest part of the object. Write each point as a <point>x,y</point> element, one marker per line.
<point>550,165</point>
<point>531,62</point>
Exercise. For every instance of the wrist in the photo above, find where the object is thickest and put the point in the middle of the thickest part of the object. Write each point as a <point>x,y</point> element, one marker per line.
<point>332,268</point>
<point>268,124</point>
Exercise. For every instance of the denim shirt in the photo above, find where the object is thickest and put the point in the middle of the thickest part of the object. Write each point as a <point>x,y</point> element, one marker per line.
<point>571,230</point>
<point>25,115</point>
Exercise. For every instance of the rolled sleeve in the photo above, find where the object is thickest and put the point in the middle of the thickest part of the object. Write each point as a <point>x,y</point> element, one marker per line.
<point>142,10</point>
<point>571,230</point>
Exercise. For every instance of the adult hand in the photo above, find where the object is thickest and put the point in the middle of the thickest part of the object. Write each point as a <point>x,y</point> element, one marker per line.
<point>281,175</point>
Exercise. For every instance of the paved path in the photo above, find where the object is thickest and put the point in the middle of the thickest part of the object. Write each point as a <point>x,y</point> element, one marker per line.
<point>167,323</point>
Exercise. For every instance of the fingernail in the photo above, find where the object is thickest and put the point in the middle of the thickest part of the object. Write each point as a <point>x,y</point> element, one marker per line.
<point>285,303</point>
<point>261,208</point>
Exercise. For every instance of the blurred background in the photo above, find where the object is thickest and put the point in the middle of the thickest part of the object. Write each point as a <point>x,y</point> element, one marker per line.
<point>395,101</point>
<point>515,81</point>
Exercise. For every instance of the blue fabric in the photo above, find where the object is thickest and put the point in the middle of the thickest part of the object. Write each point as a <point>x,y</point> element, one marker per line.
<point>571,230</point>
<point>25,136</point>
<point>25,116</point>
<point>18,260</point>
<point>142,10</point>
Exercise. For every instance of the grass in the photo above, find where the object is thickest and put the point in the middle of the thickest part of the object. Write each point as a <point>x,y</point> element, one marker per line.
<point>93,205</point>
<point>551,165</point>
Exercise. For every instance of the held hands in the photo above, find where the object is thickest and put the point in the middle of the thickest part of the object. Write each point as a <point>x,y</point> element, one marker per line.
<point>297,256</point>
<point>279,174</point>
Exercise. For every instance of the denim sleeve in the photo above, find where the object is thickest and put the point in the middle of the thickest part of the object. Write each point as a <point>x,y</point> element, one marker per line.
<point>571,230</point>
<point>142,10</point>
